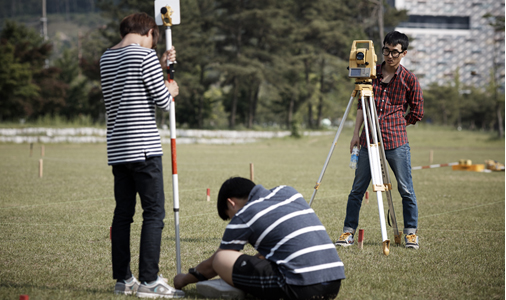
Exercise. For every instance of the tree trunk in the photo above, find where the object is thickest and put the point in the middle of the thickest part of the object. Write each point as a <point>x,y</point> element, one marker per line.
<point>253,105</point>
<point>250,110</point>
<point>67,10</point>
<point>238,37</point>
<point>320,102</point>
<point>381,23</point>
<point>445,115</point>
<point>233,107</point>
<point>308,96</point>
<point>499,120</point>
<point>200,116</point>
<point>290,112</point>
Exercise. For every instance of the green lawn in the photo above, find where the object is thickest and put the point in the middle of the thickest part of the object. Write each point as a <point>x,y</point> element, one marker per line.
<point>54,230</point>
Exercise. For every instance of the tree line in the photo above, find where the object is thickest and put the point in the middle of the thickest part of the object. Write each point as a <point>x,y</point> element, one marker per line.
<point>241,63</point>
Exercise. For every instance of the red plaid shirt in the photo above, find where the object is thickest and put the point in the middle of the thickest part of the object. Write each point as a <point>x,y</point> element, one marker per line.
<point>392,101</point>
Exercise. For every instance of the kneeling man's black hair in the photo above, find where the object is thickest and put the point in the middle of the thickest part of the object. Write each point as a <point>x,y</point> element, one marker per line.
<point>236,187</point>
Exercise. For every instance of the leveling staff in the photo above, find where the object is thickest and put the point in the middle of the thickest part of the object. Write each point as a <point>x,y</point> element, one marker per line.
<point>395,89</point>
<point>296,257</point>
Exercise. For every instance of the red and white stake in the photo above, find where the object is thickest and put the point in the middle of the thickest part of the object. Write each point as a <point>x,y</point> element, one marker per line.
<point>360,239</point>
<point>434,166</point>
<point>208,194</point>
<point>175,183</point>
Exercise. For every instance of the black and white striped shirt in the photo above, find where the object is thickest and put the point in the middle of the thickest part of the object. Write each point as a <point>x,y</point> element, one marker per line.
<point>284,229</point>
<point>132,85</point>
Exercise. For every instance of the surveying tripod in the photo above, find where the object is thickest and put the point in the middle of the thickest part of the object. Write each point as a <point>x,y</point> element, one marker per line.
<point>376,151</point>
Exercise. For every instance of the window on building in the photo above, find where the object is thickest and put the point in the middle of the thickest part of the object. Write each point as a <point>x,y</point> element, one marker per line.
<point>437,22</point>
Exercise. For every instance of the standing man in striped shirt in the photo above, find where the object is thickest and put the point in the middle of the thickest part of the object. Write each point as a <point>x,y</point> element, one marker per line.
<point>133,85</point>
<point>296,258</point>
<point>395,89</point>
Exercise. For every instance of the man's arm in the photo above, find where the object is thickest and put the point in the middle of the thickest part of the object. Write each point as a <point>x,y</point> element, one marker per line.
<point>205,268</point>
<point>415,102</point>
<point>355,141</point>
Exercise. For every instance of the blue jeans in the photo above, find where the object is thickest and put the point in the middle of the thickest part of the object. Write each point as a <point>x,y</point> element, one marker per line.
<point>399,160</point>
<point>145,178</point>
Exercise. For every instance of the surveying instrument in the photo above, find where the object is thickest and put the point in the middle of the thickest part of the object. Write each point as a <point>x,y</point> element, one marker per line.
<point>167,13</point>
<point>362,67</point>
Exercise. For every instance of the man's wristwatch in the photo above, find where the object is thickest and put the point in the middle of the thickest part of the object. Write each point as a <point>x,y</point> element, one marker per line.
<point>197,274</point>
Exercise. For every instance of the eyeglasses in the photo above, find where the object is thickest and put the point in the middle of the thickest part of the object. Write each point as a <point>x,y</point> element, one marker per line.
<point>394,53</point>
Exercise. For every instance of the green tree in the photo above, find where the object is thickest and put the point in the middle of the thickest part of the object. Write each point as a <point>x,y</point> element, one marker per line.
<point>281,58</point>
<point>76,96</point>
<point>16,87</point>
<point>195,46</point>
<point>238,23</point>
<point>440,104</point>
<point>497,23</point>
<point>25,48</point>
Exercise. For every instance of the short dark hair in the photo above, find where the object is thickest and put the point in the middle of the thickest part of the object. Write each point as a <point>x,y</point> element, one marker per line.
<point>140,23</point>
<point>236,187</point>
<point>395,37</point>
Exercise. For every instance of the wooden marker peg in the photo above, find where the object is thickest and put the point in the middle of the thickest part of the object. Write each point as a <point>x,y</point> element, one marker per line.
<point>360,239</point>
<point>251,172</point>
<point>208,194</point>
<point>40,168</point>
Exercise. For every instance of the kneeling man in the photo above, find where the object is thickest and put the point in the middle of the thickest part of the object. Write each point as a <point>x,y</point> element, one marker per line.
<point>296,258</point>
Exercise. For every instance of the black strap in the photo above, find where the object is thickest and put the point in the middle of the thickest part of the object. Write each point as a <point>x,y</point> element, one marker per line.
<point>197,274</point>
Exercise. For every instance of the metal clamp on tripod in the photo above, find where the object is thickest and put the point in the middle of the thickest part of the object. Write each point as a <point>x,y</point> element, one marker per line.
<point>362,67</point>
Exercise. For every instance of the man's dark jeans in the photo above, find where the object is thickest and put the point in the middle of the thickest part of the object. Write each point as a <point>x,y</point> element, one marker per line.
<point>146,179</point>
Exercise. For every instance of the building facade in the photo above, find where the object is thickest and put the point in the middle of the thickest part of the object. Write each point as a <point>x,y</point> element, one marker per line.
<point>450,36</point>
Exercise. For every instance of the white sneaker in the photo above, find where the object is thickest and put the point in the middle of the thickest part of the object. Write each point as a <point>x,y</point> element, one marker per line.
<point>158,289</point>
<point>218,288</point>
<point>126,287</point>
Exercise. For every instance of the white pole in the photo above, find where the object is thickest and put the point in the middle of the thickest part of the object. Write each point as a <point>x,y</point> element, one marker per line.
<point>374,166</point>
<point>175,183</point>
<point>44,20</point>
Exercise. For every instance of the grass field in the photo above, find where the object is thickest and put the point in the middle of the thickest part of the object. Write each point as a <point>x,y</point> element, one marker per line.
<point>54,230</point>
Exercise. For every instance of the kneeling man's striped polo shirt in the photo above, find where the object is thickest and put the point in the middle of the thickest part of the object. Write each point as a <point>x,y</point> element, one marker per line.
<point>282,227</point>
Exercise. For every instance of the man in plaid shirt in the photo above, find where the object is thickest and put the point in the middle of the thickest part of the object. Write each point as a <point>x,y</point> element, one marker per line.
<point>395,88</point>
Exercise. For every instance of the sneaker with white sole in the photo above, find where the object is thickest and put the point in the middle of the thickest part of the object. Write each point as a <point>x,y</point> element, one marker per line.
<point>345,239</point>
<point>411,241</point>
<point>158,289</point>
<point>219,289</point>
<point>126,286</point>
